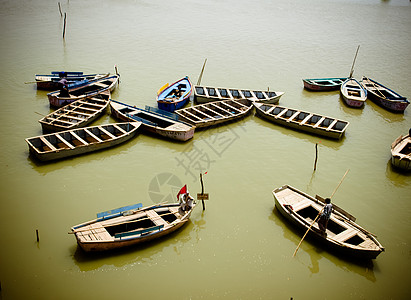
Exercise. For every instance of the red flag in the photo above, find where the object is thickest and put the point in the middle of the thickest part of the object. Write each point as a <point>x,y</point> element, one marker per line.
<point>183,190</point>
<point>205,173</point>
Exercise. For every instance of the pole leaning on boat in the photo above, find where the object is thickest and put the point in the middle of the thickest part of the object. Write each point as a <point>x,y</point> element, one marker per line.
<point>309,228</point>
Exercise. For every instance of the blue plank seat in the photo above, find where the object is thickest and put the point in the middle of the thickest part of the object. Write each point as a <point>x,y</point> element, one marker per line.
<point>128,235</point>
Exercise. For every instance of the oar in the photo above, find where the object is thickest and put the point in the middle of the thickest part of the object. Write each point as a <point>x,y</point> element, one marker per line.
<point>355,57</point>
<point>309,228</point>
<point>29,82</point>
<point>201,74</point>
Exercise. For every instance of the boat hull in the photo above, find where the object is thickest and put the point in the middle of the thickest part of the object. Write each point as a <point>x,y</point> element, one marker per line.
<point>203,94</point>
<point>176,130</point>
<point>108,232</point>
<point>77,114</point>
<point>353,93</point>
<point>344,248</point>
<point>384,97</point>
<point>401,153</point>
<point>50,147</point>
<point>167,101</point>
<point>216,113</point>
<point>50,82</point>
<point>323,84</point>
<point>56,101</point>
<point>303,121</point>
<point>112,245</point>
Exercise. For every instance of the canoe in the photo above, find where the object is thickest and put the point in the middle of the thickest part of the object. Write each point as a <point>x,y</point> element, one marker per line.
<point>384,96</point>
<point>302,120</point>
<point>80,113</point>
<point>323,84</point>
<point>130,225</point>
<point>83,89</point>
<point>50,81</point>
<point>154,120</point>
<point>79,141</point>
<point>353,93</point>
<point>401,152</point>
<point>343,234</point>
<point>205,94</point>
<point>174,96</point>
<point>213,113</point>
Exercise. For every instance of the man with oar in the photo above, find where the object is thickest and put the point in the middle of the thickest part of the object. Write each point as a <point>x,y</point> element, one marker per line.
<point>327,214</point>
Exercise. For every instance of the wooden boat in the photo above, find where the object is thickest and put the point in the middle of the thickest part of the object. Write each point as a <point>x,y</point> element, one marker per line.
<point>130,225</point>
<point>80,113</point>
<point>82,140</point>
<point>50,81</point>
<point>205,94</point>
<point>217,112</point>
<point>384,96</point>
<point>401,152</point>
<point>323,84</point>
<point>154,120</point>
<point>83,89</point>
<point>342,234</point>
<point>174,96</point>
<point>353,93</point>
<point>302,120</point>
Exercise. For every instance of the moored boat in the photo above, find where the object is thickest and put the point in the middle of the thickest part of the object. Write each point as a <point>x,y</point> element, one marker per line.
<point>82,89</point>
<point>323,84</point>
<point>343,234</point>
<point>130,225</point>
<point>214,113</point>
<point>205,94</point>
<point>51,81</point>
<point>154,120</point>
<point>353,93</point>
<point>384,96</point>
<point>81,140</point>
<point>302,120</point>
<point>80,113</point>
<point>174,96</point>
<point>401,152</point>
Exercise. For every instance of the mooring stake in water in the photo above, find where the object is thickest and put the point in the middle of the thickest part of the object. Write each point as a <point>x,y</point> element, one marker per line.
<point>64,28</point>
<point>202,196</point>
<point>316,156</point>
<point>37,235</point>
<point>61,14</point>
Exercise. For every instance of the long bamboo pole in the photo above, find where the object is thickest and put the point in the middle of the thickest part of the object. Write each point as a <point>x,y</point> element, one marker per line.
<point>309,228</point>
<point>201,74</point>
<point>355,57</point>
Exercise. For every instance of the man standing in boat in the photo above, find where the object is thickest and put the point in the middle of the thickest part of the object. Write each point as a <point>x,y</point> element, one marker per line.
<point>325,216</point>
<point>63,85</point>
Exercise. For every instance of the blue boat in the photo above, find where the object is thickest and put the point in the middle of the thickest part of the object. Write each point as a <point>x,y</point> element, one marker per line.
<point>174,96</point>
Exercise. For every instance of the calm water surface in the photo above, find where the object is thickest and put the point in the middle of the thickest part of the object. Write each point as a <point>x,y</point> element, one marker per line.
<point>239,247</point>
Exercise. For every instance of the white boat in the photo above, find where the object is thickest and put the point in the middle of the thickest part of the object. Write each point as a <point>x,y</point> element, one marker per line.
<point>343,234</point>
<point>353,93</point>
<point>205,94</point>
<point>159,122</point>
<point>80,113</point>
<point>214,113</point>
<point>81,140</point>
<point>130,225</point>
<point>302,120</point>
<point>83,89</point>
<point>401,152</point>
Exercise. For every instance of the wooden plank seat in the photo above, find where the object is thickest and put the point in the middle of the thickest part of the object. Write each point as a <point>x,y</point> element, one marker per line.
<point>346,234</point>
<point>140,232</point>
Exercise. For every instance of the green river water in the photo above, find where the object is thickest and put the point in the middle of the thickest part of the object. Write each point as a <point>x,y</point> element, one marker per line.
<point>239,247</point>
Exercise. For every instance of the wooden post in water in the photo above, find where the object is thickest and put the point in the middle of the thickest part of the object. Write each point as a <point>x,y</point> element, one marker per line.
<point>202,189</point>
<point>37,235</point>
<point>316,156</point>
<point>61,14</point>
<point>64,28</point>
